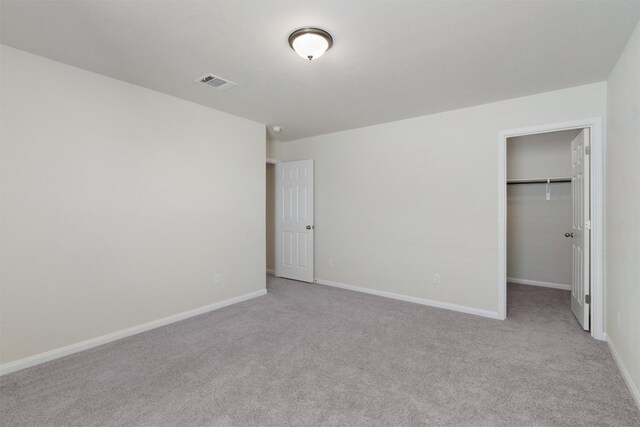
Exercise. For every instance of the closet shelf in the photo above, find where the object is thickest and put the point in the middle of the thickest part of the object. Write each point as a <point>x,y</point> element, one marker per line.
<point>539,180</point>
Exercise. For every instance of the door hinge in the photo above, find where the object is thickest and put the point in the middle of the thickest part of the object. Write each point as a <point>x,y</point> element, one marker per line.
<point>587,150</point>
<point>587,299</point>
<point>587,224</point>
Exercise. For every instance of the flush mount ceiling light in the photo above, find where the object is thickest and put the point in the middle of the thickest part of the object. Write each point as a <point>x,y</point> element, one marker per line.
<point>310,43</point>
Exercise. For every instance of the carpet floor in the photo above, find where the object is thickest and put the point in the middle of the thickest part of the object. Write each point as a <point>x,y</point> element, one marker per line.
<point>312,355</point>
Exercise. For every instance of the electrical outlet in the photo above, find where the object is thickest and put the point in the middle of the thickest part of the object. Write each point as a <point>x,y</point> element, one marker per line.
<point>436,278</point>
<point>217,279</point>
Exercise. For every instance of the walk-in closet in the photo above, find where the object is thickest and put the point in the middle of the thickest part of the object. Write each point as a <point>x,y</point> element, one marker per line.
<point>545,217</point>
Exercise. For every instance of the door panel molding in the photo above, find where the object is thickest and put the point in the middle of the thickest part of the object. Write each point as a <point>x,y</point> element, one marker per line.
<point>294,220</point>
<point>580,235</point>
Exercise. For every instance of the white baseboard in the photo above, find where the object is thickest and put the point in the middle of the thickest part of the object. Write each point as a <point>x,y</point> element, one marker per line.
<point>538,283</point>
<point>271,272</point>
<point>37,359</point>
<point>416,300</point>
<point>625,374</point>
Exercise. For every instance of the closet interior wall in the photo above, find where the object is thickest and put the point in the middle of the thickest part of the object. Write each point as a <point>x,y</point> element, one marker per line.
<point>537,250</point>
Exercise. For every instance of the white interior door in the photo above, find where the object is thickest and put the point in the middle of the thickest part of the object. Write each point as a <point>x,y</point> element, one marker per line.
<point>294,220</point>
<point>581,233</point>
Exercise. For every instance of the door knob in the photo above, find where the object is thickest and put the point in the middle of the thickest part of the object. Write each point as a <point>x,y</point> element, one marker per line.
<point>568,235</point>
<point>309,227</point>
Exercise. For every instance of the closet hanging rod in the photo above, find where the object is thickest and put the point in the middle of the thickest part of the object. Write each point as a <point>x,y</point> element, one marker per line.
<point>539,180</point>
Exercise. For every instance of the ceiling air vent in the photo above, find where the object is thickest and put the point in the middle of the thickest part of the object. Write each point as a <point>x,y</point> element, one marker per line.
<point>216,82</point>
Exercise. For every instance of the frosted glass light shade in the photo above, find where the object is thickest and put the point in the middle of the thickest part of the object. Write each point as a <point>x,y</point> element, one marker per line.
<point>310,43</point>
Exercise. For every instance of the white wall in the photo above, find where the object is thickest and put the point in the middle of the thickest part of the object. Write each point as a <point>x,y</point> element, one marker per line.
<point>273,149</point>
<point>623,211</point>
<point>398,202</point>
<point>119,204</point>
<point>536,247</point>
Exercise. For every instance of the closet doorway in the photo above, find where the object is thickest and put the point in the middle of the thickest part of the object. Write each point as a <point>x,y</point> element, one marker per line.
<point>545,207</point>
<point>550,216</point>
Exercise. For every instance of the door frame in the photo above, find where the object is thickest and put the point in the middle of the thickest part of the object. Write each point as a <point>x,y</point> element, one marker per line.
<point>596,163</point>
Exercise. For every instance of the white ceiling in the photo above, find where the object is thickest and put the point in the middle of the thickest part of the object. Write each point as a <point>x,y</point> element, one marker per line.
<point>391,59</point>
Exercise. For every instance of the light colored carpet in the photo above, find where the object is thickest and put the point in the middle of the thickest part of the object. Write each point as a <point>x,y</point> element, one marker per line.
<point>312,355</point>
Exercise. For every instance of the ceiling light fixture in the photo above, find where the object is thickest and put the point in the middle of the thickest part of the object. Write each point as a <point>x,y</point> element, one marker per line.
<point>310,43</point>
